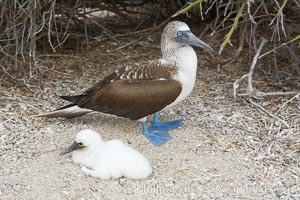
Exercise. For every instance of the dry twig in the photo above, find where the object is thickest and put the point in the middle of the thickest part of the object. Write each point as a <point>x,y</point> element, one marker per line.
<point>234,26</point>
<point>283,44</point>
<point>252,92</point>
<point>270,114</point>
<point>143,36</point>
<point>250,73</point>
<point>288,101</point>
<point>241,46</point>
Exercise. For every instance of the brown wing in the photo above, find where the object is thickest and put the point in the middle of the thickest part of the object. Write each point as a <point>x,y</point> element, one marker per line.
<point>133,92</point>
<point>131,99</point>
<point>145,72</point>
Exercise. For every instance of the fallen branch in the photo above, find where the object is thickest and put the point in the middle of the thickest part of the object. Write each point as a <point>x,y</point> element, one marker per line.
<point>288,101</point>
<point>270,114</point>
<point>15,78</point>
<point>7,118</point>
<point>260,94</point>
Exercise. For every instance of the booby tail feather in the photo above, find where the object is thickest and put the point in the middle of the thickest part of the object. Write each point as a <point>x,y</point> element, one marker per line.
<point>68,98</point>
<point>69,111</point>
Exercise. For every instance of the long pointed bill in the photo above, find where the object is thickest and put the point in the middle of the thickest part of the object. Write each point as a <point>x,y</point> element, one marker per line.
<point>75,146</point>
<point>188,38</point>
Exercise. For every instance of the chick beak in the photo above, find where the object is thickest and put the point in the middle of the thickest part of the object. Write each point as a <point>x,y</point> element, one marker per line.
<point>75,146</point>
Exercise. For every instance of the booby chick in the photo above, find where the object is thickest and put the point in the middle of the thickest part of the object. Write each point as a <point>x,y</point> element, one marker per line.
<point>107,159</point>
<point>138,91</point>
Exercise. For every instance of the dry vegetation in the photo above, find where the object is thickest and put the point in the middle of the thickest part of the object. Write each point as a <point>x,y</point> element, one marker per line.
<point>252,126</point>
<point>29,29</point>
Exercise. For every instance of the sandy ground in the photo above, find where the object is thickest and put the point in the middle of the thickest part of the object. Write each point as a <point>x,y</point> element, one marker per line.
<point>226,149</point>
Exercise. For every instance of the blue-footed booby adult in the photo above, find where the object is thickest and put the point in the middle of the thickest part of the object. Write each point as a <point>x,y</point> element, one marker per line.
<point>140,90</point>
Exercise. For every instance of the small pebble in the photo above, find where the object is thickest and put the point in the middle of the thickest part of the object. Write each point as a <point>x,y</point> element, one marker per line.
<point>2,127</point>
<point>3,139</point>
<point>9,106</point>
<point>192,196</point>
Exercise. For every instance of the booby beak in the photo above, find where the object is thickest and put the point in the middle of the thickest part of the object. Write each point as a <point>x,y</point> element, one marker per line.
<point>188,38</point>
<point>75,146</point>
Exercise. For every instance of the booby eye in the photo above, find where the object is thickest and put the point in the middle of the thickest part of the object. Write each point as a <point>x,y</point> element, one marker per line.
<point>179,33</point>
<point>80,144</point>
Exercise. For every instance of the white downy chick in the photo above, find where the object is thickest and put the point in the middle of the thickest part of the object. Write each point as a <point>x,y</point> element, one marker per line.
<point>107,159</point>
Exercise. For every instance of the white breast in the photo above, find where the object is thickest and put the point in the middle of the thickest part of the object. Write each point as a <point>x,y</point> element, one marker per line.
<point>186,61</point>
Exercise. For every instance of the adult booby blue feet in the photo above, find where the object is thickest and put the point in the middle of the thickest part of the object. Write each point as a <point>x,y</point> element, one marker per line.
<point>138,91</point>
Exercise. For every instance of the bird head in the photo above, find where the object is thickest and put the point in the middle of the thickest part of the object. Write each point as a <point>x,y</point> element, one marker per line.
<point>85,140</point>
<point>177,34</point>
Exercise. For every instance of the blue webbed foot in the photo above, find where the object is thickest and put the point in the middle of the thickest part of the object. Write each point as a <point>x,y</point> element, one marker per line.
<point>164,126</point>
<point>156,137</point>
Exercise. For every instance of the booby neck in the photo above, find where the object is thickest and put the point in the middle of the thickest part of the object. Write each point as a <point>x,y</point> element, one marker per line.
<point>181,57</point>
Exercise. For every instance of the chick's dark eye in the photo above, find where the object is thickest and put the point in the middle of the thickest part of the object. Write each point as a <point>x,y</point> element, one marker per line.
<point>179,33</point>
<point>80,144</point>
